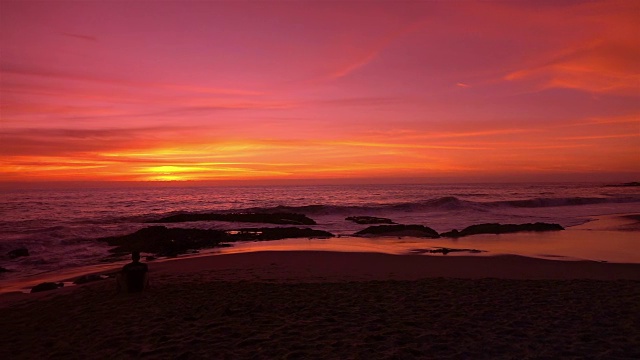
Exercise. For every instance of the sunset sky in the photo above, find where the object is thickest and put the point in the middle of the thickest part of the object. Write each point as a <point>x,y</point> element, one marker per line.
<point>262,90</point>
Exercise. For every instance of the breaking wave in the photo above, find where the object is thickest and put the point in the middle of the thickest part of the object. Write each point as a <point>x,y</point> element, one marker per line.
<point>446,203</point>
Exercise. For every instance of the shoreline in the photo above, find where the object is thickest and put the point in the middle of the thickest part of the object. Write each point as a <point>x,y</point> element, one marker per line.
<point>330,305</point>
<point>328,266</point>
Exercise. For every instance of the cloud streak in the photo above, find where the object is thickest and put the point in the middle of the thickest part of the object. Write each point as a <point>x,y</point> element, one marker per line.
<point>606,60</point>
<point>13,69</point>
<point>81,37</point>
<point>368,55</point>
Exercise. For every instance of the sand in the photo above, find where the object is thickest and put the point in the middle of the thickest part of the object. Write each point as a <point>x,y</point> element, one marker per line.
<point>327,305</point>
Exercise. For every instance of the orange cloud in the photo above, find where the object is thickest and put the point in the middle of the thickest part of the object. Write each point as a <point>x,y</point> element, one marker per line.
<point>605,59</point>
<point>203,159</point>
<point>598,68</point>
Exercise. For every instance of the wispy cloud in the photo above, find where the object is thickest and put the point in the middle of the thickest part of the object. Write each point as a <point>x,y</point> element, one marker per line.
<point>595,70</point>
<point>74,76</point>
<point>404,135</point>
<point>605,59</point>
<point>601,137</point>
<point>369,54</point>
<point>70,142</point>
<point>80,36</point>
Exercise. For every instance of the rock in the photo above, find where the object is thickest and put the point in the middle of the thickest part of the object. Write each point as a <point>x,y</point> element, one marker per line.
<point>262,234</point>
<point>171,242</point>
<point>629,184</point>
<point>275,218</point>
<point>495,228</point>
<point>46,286</point>
<point>18,253</point>
<point>369,220</point>
<point>87,279</point>
<point>399,230</point>
<point>444,251</point>
<point>451,234</point>
<point>166,241</point>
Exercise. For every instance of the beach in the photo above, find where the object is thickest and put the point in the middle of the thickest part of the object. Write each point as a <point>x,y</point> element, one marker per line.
<point>333,305</point>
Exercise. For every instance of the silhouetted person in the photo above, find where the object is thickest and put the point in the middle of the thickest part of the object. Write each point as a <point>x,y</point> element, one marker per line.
<point>133,277</point>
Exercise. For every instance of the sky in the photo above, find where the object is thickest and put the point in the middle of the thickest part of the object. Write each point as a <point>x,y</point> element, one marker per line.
<point>329,90</point>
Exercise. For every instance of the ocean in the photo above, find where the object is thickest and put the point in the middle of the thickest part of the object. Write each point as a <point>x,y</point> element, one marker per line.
<point>59,227</point>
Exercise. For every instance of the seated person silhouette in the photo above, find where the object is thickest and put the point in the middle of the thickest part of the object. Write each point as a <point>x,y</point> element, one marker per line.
<point>133,276</point>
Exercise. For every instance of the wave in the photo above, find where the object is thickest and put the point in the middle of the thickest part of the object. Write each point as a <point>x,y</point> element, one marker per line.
<point>441,203</point>
<point>569,201</point>
<point>450,203</point>
<point>446,203</point>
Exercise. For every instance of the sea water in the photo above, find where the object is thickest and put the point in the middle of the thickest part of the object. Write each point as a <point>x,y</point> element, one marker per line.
<point>59,227</point>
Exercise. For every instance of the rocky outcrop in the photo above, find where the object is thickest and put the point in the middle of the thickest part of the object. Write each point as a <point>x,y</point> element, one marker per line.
<point>18,253</point>
<point>399,230</point>
<point>46,286</point>
<point>495,228</point>
<point>444,251</point>
<point>629,184</point>
<point>369,220</point>
<point>163,241</point>
<point>264,234</point>
<point>275,218</point>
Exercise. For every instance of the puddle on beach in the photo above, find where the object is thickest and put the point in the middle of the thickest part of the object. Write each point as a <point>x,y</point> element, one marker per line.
<point>607,239</point>
<point>571,244</point>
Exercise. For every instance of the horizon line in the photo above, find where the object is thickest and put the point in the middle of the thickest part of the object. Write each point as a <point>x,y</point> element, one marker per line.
<point>45,184</point>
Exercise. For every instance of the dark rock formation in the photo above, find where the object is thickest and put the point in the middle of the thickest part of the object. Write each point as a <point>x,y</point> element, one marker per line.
<point>369,220</point>
<point>635,217</point>
<point>46,286</point>
<point>452,234</point>
<point>87,279</point>
<point>276,218</point>
<point>18,253</point>
<point>263,234</point>
<point>166,241</point>
<point>399,230</point>
<point>629,184</point>
<point>444,251</point>
<point>495,228</point>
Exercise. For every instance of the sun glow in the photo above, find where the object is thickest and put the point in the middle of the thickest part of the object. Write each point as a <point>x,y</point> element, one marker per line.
<point>360,91</point>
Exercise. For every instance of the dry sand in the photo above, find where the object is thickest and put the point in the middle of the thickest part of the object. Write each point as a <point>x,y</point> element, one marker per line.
<point>325,305</point>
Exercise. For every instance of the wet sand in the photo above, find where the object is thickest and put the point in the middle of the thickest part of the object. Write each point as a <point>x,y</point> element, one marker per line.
<point>329,305</point>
